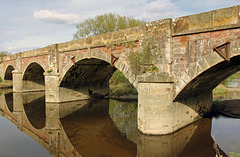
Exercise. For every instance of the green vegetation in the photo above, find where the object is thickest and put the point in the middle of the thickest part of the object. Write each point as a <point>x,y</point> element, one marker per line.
<point>143,61</point>
<point>4,53</point>
<point>222,89</point>
<point>119,85</point>
<point>232,154</point>
<point>234,76</point>
<point>1,80</point>
<point>49,71</point>
<point>105,23</point>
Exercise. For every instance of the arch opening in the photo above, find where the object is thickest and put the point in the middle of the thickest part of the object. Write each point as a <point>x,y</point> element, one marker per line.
<point>209,79</point>
<point>8,73</point>
<point>33,77</point>
<point>88,73</point>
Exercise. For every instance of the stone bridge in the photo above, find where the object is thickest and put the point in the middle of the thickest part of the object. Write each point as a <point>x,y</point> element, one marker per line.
<point>192,55</point>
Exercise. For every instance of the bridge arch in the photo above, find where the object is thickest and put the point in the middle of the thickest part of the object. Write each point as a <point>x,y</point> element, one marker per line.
<point>207,73</point>
<point>104,59</point>
<point>34,61</point>
<point>8,72</point>
<point>33,75</point>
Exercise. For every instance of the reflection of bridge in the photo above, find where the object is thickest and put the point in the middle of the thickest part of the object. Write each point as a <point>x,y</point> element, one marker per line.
<point>63,137</point>
<point>193,54</point>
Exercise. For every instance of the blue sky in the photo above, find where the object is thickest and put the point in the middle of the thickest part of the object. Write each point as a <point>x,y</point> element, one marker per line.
<point>30,24</point>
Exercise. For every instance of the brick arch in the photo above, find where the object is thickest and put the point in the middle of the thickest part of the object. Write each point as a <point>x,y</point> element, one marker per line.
<point>207,73</point>
<point>34,61</point>
<point>120,64</point>
<point>8,72</point>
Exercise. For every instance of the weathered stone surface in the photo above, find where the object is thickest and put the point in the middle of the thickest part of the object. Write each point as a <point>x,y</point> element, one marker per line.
<point>155,78</point>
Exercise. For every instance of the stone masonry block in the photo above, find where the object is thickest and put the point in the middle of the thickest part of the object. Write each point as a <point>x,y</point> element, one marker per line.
<point>186,77</point>
<point>225,16</point>
<point>200,21</point>
<point>203,64</point>
<point>191,72</point>
<point>211,59</point>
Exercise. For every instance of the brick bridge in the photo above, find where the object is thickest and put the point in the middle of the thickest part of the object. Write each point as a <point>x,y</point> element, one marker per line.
<point>193,54</point>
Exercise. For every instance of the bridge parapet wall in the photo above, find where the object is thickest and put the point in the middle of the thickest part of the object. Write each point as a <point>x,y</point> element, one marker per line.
<point>207,22</point>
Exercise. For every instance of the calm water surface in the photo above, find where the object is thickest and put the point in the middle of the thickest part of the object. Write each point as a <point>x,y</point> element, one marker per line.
<point>31,127</point>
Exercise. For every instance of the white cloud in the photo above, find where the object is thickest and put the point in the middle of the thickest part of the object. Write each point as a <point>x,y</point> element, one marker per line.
<point>159,9</point>
<point>56,18</point>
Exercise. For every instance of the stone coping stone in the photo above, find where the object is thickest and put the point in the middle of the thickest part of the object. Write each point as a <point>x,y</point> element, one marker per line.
<point>155,78</point>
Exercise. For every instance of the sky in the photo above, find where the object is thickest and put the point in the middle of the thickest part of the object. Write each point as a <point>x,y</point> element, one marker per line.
<point>31,24</point>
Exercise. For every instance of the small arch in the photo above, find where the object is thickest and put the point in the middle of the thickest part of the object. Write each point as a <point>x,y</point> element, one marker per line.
<point>8,73</point>
<point>33,77</point>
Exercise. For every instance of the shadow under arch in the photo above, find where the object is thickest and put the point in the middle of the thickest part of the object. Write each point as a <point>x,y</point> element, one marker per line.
<point>33,77</point>
<point>88,73</point>
<point>210,78</point>
<point>8,73</point>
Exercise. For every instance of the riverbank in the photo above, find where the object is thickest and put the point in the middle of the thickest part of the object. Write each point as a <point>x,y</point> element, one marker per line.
<point>6,84</point>
<point>229,108</point>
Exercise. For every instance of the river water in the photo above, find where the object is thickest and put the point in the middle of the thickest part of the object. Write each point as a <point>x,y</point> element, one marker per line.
<point>101,128</point>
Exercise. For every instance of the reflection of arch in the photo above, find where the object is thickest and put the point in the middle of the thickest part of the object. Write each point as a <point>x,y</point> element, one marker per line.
<point>9,101</point>
<point>206,74</point>
<point>35,112</point>
<point>119,64</point>
<point>8,73</point>
<point>93,119</point>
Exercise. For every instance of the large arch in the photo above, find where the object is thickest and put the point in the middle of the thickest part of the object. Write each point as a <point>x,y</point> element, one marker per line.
<point>100,58</point>
<point>88,72</point>
<point>206,74</point>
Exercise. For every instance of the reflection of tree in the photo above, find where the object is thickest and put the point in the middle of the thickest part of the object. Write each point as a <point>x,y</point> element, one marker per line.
<point>124,116</point>
<point>94,133</point>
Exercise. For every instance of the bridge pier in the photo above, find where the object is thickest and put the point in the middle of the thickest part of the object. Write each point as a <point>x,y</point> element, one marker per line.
<point>18,109</point>
<point>158,114</point>
<point>53,127</point>
<point>155,92</point>
<point>17,81</point>
<point>52,91</point>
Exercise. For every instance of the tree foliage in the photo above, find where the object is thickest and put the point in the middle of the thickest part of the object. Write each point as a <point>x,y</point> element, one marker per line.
<point>4,53</point>
<point>105,23</point>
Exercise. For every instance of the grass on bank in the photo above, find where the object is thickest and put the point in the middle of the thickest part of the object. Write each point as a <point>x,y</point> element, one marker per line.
<point>119,85</point>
